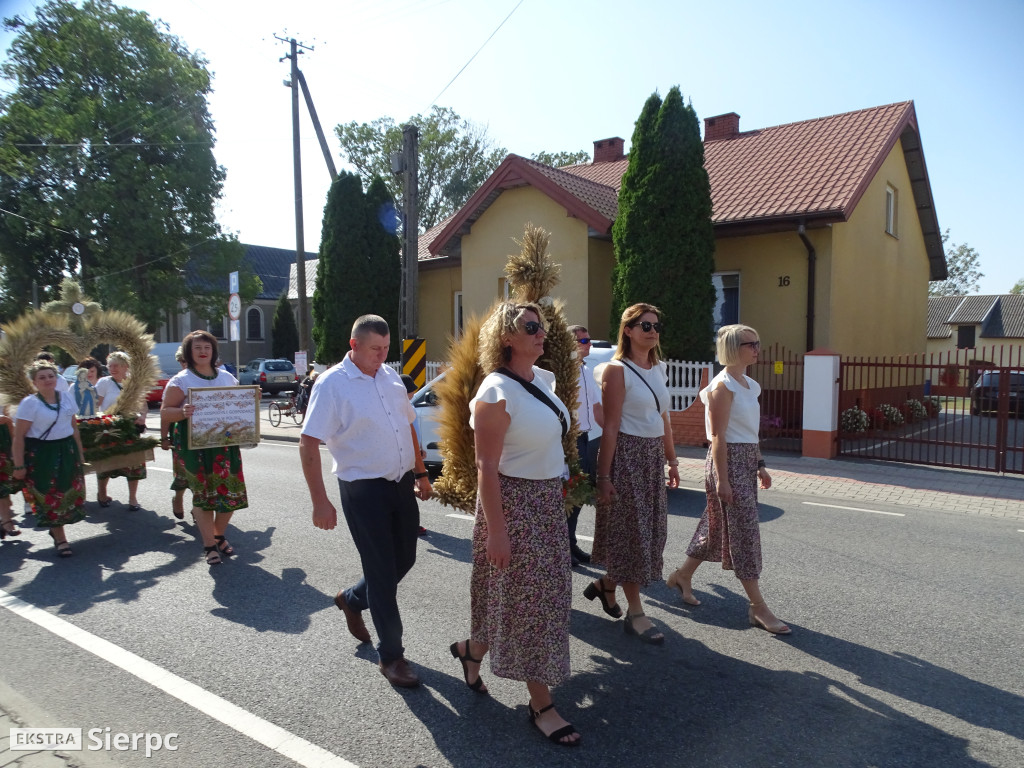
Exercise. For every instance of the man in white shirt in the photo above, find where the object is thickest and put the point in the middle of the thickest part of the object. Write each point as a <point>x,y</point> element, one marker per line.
<point>360,409</point>
<point>590,417</point>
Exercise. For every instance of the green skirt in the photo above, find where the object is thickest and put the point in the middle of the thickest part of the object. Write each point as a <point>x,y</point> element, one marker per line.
<point>54,481</point>
<point>8,484</point>
<point>179,483</point>
<point>214,475</point>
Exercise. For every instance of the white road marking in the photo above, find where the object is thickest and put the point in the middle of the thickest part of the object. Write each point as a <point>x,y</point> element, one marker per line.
<point>854,509</point>
<point>273,737</point>
<point>159,469</point>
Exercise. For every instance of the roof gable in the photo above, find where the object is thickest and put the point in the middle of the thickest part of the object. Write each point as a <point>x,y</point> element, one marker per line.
<point>1000,316</point>
<point>813,171</point>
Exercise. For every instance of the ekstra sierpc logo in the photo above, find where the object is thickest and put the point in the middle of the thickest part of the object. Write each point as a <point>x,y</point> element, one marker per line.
<point>38,739</point>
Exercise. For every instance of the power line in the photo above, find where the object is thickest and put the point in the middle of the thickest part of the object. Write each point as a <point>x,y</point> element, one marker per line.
<point>475,54</point>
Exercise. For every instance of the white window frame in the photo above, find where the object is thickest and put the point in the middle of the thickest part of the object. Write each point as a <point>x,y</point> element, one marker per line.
<point>719,302</point>
<point>457,315</point>
<point>892,201</point>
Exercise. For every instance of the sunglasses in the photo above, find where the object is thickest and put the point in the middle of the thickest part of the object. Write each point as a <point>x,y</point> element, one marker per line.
<point>647,325</point>
<point>584,340</point>
<point>753,344</point>
<point>531,327</point>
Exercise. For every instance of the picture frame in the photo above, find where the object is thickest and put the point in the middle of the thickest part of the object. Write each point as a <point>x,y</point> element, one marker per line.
<point>223,416</point>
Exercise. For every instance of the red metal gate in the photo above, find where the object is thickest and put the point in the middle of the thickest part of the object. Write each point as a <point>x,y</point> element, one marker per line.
<point>961,408</point>
<point>781,376</point>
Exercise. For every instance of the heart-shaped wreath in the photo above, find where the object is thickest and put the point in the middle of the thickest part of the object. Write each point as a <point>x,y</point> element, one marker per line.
<point>26,336</point>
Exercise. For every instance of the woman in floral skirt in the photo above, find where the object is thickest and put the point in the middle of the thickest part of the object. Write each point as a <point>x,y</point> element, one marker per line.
<point>214,475</point>
<point>521,584</point>
<point>48,455</point>
<point>728,531</point>
<point>109,390</point>
<point>632,505</point>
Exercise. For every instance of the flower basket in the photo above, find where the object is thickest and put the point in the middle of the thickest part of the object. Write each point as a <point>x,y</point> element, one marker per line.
<point>853,421</point>
<point>115,438</point>
<point>119,461</point>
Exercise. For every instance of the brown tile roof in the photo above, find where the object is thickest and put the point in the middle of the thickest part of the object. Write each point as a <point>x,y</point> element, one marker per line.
<point>765,179</point>
<point>939,310</point>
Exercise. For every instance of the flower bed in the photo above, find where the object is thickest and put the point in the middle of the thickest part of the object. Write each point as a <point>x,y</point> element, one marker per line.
<point>914,410</point>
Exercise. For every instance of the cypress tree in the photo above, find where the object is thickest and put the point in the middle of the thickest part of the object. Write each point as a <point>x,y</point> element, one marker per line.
<point>284,329</point>
<point>663,236</point>
<point>385,258</point>
<point>343,274</point>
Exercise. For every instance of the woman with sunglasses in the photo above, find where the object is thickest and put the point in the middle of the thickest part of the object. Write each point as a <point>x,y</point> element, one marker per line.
<point>632,504</point>
<point>521,588</point>
<point>728,531</point>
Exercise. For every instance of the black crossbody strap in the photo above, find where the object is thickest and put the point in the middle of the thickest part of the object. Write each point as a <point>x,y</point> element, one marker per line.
<point>534,390</point>
<point>657,403</point>
<point>47,432</point>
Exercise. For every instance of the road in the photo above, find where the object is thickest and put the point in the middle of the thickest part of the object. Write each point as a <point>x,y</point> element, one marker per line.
<point>906,648</point>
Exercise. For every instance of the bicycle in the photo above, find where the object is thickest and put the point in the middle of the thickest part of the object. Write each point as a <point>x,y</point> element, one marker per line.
<point>276,410</point>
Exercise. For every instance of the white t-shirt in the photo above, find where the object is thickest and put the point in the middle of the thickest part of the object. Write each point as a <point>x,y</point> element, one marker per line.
<point>745,414</point>
<point>364,420</point>
<point>533,442</point>
<point>640,416</point>
<point>184,380</point>
<point>589,396</point>
<point>109,391</point>
<point>35,410</point>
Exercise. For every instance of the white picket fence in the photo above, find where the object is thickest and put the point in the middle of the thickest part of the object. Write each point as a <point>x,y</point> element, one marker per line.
<point>683,380</point>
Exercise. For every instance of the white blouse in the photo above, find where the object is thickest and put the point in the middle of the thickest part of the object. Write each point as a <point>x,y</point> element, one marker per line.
<point>745,414</point>
<point>42,417</point>
<point>533,442</point>
<point>640,416</point>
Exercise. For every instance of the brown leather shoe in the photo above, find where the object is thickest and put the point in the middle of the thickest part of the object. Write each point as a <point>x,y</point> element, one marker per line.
<point>398,672</point>
<point>354,619</point>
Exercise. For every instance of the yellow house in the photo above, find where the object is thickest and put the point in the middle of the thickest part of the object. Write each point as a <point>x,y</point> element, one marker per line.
<point>826,234</point>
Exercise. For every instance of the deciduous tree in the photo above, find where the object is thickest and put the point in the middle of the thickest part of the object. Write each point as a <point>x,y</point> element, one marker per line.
<point>562,159</point>
<point>962,268</point>
<point>1018,287</point>
<point>106,151</point>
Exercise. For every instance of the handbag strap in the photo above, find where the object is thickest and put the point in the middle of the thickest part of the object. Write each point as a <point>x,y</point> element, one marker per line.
<point>657,403</point>
<point>49,428</point>
<point>534,390</point>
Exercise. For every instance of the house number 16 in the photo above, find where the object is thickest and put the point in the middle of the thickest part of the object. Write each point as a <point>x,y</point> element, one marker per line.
<point>783,281</point>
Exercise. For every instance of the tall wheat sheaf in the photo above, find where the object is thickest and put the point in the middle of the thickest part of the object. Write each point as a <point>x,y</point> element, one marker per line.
<point>531,276</point>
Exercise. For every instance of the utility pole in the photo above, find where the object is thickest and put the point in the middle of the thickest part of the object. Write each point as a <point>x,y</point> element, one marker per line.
<point>300,246</point>
<point>410,233</point>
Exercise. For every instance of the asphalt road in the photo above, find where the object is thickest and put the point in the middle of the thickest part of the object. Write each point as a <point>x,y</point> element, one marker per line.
<point>908,629</point>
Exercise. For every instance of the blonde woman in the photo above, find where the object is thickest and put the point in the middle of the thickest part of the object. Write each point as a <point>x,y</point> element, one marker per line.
<point>632,504</point>
<point>728,532</point>
<point>48,455</point>
<point>521,585</point>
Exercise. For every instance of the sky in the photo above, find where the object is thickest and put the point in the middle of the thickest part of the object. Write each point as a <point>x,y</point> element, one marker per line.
<point>560,74</point>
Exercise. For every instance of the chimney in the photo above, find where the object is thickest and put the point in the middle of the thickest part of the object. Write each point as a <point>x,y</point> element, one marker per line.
<point>721,126</point>
<point>607,150</point>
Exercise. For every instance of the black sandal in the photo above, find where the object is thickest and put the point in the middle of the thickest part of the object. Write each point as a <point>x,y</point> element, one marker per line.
<point>223,546</point>
<point>557,735</point>
<point>592,591</point>
<point>476,687</point>
<point>104,502</point>
<point>651,635</point>
<point>212,555</point>
<point>9,528</point>
<point>62,547</point>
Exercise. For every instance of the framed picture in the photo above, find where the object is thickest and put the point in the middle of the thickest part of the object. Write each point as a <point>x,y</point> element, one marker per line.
<point>223,416</point>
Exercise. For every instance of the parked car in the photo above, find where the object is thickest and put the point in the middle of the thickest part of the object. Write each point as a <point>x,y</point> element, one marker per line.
<point>273,376</point>
<point>985,393</point>
<point>428,411</point>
